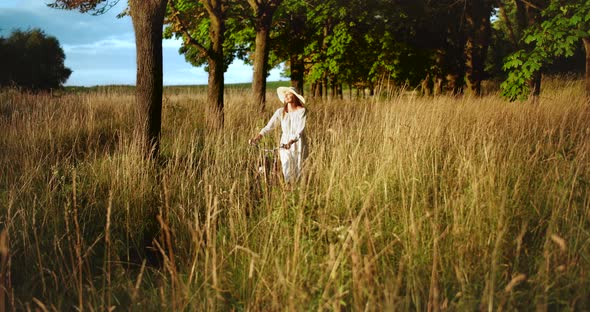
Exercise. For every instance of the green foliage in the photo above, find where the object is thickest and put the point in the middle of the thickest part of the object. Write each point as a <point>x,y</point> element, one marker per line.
<point>564,26</point>
<point>345,44</point>
<point>32,60</point>
<point>189,20</point>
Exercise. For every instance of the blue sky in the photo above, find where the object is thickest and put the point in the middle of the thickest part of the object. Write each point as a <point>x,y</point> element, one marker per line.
<point>101,49</point>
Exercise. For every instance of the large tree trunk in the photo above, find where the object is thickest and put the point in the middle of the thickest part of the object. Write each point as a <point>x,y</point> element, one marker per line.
<point>587,73</point>
<point>522,21</point>
<point>296,46</point>
<point>264,11</point>
<point>148,20</point>
<point>318,89</point>
<point>533,13</point>
<point>509,27</point>
<point>297,72</point>
<point>215,114</point>
<point>260,67</point>
<point>478,38</point>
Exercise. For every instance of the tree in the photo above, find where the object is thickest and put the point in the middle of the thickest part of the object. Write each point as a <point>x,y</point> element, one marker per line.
<point>504,39</point>
<point>565,25</point>
<point>32,60</point>
<point>516,16</point>
<point>477,16</point>
<point>289,38</point>
<point>432,46</point>
<point>202,24</point>
<point>148,21</point>
<point>329,42</point>
<point>216,32</point>
<point>263,16</point>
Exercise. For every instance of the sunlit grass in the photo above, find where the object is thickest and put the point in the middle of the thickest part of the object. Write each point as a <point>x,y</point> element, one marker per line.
<point>407,203</point>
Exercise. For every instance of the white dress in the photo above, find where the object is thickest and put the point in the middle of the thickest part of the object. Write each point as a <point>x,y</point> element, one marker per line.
<point>293,126</point>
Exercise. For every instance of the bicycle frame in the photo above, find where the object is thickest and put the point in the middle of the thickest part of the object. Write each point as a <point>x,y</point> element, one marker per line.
<point>268,165</point>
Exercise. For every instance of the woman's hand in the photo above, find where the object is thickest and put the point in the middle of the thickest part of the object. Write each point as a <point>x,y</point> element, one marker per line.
<point>255,140</point>
<point>288,145</point>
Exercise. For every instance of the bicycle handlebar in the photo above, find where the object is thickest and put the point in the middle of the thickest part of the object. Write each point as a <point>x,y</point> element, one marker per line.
<point>266,149</point>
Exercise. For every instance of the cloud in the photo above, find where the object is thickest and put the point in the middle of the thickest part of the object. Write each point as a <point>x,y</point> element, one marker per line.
<point>69,27</point>
<point>97,47</point>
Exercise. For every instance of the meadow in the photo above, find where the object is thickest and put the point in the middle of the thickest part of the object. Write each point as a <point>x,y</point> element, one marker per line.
<point>407,203</point>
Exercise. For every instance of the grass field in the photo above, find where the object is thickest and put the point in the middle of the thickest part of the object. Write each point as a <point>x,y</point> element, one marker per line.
<point>407,203</point>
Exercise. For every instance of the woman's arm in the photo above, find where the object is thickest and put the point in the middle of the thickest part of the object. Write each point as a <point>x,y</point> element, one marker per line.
<point>274,122</point>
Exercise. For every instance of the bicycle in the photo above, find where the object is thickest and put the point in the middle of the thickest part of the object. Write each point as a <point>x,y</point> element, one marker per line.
<point>267,170</point>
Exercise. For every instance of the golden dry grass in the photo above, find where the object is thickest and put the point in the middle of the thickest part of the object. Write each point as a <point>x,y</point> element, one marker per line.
<point>408,203</point>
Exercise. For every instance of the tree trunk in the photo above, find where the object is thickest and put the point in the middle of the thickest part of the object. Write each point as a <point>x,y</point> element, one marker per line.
<point>264,13</point>
<point>438,85</point>
<point>260,67</point>
<point>297,71</point>
<point>296,47</point>
<point>528,14</point>
<point>478,38</point>
<point>318,89</point>
<point>521,19</point>
<point>509,27</point>
<point>535,86</point>
<point>425,85</point>
<point>148,20</point>
<point>215,114</point>
<point>587,73</point>
<point>437,73</point>
<point>334,89</point>
<point>533,14</point>
<point>350,86</point>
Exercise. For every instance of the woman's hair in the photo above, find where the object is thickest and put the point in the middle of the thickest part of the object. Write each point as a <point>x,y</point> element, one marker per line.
<point>297,101</point>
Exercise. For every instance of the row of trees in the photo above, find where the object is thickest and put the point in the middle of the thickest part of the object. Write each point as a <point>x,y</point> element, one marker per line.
<point>32,60</point>
<point>444,45</point>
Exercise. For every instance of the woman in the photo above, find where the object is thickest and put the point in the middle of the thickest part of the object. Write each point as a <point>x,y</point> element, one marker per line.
<point>291,117</point>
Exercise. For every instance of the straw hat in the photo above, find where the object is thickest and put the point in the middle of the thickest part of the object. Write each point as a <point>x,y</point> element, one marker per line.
<point>282,91</point>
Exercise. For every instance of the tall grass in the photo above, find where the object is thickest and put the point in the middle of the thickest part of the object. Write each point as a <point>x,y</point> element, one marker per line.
<point>407,203</point>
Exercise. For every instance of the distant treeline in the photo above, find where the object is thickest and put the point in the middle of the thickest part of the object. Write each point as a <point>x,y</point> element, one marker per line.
<point>271,85</point>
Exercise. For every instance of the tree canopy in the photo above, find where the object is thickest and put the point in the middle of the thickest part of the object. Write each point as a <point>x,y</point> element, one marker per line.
<point>439,46</point>
<point>32,60</point>
<point>444,46</point>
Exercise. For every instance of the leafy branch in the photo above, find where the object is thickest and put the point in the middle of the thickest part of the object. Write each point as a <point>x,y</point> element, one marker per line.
<point>564,26</point>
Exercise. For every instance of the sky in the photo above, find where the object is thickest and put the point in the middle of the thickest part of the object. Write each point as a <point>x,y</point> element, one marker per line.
<point>100,50</point>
